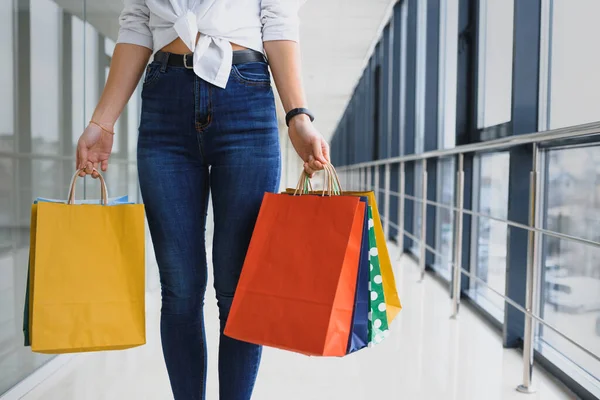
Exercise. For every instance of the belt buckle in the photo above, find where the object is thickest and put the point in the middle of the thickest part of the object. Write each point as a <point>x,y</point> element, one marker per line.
<point>185,64</point>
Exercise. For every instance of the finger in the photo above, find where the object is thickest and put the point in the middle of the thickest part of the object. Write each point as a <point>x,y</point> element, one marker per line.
<point>318,151</point>
<point>81,159</point>
<point>81,167</point>
<point>326,152</point>
<point>316,165</point>
<point>95,173</point>
<point>309,171</point>
<point>104,165</point>
<point>89,168</point>
<point>77,159</point>
<point>310,164</point>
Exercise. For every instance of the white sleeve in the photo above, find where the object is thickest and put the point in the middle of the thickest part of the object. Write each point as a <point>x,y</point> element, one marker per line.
<point>280,19</point>
<point>134,24</point>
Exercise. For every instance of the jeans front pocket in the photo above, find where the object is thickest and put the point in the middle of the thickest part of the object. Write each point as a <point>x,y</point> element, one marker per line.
<point>252,73</point>
<point>152,74</point>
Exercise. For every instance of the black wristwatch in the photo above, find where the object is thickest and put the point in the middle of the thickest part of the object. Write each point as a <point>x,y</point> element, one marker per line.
<point>297,111</point>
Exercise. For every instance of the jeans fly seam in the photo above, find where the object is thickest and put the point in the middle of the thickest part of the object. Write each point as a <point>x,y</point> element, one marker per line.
<point>197,114</point>
<point>201,126</point>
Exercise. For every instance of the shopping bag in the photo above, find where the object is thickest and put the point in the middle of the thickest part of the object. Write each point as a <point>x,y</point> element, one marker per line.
<point>359,332</point>
<point>297,287</point>
<point>111,201</point>
<point>86,276</point>
<point>393,304</point>
<point>392,300</point>
<point>378,319</point>
<point>378,314</point>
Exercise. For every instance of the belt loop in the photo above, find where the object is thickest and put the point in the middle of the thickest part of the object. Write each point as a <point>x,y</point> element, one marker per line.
<point>164,62</point>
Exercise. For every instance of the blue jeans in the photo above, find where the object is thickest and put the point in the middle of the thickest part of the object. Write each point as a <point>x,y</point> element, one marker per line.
<point>196,139</point>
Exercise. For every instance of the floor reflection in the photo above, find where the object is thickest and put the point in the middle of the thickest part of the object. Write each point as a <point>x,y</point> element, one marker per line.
<point>16,361</point>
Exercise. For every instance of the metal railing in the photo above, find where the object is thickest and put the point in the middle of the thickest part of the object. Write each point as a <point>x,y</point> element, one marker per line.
<point>364,174</point>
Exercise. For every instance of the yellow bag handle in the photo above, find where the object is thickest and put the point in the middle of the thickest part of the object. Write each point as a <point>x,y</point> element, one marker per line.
<point>103,188</point>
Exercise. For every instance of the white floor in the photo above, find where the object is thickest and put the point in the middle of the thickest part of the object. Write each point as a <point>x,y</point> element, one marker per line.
<point>428,356</point>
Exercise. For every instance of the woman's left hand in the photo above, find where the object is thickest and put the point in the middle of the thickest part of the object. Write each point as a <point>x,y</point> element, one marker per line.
<point>310,145</point>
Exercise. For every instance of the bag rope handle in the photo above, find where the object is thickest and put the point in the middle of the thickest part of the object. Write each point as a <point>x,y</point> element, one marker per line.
<point>103,188</point>
<point>331,187</point>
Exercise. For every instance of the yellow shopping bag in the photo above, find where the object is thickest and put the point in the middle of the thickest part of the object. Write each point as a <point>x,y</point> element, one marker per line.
<point>86,277</point>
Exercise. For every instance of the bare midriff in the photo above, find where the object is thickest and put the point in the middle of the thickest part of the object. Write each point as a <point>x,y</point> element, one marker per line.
<point>177,46</point>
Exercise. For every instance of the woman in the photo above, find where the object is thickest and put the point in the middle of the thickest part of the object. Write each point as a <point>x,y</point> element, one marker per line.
<point>208,125</point>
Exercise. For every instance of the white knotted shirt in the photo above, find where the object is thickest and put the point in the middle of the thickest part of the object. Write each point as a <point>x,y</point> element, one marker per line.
<point>248,23</point>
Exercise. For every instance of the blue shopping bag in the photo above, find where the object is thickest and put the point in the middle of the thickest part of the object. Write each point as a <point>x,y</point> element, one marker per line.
<point>359,336</point>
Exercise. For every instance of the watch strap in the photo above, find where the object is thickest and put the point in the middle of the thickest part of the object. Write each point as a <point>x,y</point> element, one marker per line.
<point>297,111</point>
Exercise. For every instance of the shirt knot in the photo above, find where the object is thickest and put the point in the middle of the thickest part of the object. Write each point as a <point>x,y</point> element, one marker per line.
<point>216,50</point>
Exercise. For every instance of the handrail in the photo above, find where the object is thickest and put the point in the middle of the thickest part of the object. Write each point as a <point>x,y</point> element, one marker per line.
<point>369,179</point>
<point>505,298</point>
<point>52,157</point>
<point>557,235</point>
<point>571,132</point>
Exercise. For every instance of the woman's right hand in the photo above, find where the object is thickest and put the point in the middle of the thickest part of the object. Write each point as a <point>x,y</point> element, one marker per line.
<point>310,145</point>
<point>93,149</point>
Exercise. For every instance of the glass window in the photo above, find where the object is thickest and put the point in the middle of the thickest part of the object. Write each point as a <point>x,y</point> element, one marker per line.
<point>448,66</point>
<point>78,62</point>
<point>133,122</point>
<point>490,236</point>
<point>122,123</point>
<point>571,271</point>
<point>403,51</point>
<point>495,62</point>
<point>417,216</point>
<point>574,95</point>
<point>6,77</point>
<point>7,200</point>
<point>17,177</point>
<point>447,133</point>
<point>28,176</point>
<point>93,77</point>
<point>445,217</point>
<point>46,34</point>
<point>420,114</point>
<point>117,180</point>
<point>421,70</point>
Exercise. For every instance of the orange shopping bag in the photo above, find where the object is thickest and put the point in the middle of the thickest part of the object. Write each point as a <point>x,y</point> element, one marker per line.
<point>296,291</point>
<point>392,300</point>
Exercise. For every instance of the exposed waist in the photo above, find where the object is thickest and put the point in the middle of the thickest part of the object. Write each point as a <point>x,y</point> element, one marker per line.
<point>177,46</point>
<point>211,49</point>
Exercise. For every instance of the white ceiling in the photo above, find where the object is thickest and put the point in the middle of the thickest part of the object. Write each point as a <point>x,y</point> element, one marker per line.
<point>337,37</point>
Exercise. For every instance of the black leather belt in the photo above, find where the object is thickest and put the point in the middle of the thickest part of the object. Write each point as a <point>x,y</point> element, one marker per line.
<point>186,60</point>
